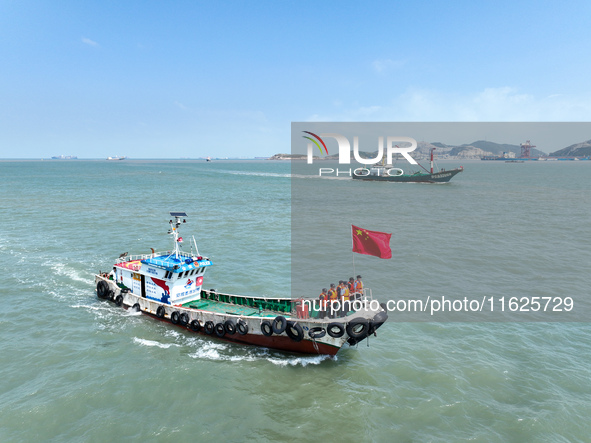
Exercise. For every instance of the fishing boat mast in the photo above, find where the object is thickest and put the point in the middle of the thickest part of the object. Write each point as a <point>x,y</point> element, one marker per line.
<point>432,149</point>
<point>174,230</point>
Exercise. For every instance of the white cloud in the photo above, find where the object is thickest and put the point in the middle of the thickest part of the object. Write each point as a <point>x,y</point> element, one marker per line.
<point>501,104</point>
<point>90,42</point>
<point>382,66</point>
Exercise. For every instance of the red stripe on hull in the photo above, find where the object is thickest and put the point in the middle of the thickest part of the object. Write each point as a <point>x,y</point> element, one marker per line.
<point>279,342</point>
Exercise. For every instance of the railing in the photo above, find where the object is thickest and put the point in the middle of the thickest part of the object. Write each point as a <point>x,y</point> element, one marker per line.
<point>299,307</point>
<point>155,254</point>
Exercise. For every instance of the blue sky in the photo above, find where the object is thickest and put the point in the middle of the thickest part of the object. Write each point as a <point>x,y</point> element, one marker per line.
<point>174,79</point>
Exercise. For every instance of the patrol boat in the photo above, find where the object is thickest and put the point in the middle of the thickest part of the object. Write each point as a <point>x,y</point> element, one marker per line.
<point>168,286</point>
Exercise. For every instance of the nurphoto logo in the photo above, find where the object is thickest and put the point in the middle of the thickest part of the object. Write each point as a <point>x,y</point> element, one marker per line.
<point>345,148</point>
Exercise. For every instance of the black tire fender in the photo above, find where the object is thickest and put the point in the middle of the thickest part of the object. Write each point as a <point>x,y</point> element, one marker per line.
<point>184,319</point>
<point>266,328</point>
<point>119,300</point>
<point>279,324</point>
<point>102,289</point>
<point>335,330</point>
<point>195,325</point>
<point>378,320</point>
<point>136,307</point>
<point>220,330</point>
<point>242,327</point>
<point>358,328</point>
<point>174,317</point>
<point>230,327</point>
<point>294,331</point>
<point>316,332</point>
<point>160,312</point>
<point>208,327</point>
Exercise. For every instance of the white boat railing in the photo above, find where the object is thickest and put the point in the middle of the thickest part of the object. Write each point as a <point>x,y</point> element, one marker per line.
<point>155,254</point>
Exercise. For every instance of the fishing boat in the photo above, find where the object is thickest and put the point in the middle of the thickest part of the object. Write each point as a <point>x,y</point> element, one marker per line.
<point>168,286</point>
<point>388,173</point>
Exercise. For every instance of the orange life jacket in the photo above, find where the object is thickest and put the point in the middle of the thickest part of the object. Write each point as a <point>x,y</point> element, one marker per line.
<point>346,294</point>
<point>358,286</point>
<point>332,294</point>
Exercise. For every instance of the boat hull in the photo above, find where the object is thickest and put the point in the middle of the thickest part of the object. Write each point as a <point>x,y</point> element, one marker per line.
<point>281,343</point>
<point>436,177</point>
<point>304,344</point>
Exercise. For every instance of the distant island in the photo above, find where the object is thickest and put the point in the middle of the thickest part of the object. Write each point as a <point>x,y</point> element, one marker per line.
<point>582,149</point>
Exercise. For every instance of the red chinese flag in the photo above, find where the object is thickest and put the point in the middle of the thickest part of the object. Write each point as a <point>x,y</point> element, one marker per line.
<point>371,242</point>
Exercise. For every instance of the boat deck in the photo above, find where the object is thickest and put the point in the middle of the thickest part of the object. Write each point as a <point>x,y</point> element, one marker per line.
<point>228,308</point>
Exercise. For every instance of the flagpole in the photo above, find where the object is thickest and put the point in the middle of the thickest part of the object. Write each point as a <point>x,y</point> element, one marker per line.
<point>352,253</point>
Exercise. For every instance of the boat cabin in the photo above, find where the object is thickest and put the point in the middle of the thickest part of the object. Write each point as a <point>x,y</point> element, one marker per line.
<point>172,277</point>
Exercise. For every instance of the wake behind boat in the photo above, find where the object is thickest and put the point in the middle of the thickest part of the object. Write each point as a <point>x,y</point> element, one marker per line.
<point>168,286</point>
<point>383,172</point>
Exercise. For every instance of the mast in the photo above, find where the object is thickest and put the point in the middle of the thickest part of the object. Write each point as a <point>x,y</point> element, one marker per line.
<point>432,149</point>
<point>174,230</point>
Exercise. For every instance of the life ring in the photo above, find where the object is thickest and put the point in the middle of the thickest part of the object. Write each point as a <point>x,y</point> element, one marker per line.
<point>102,289</point>
<point>335,330</point>
<point>195,325</point>
<point>279,324</point>
<point>294,331</point>
<point>208,327</point>
<point>358,328</point>
<point>266,328</point>
<point>160,312</point>
<point>184,319</point>
<point>136,307</point>
<point>119,300</point>
<point>230,327</point>
<point>242,327</point>
<point>317,332</point>
<point>174,317</point>
<point>220,330</point>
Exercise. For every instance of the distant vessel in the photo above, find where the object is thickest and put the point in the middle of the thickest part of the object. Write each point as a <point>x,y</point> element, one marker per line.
<point>510,157</point>
<point>64,157</point>
<point>208,159</point>
<point>383,172</point>
<point>117,158</point>
<point>167,286</point>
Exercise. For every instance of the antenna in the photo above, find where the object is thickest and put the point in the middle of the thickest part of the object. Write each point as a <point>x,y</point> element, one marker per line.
<point>174,230</point>
<point>196,248</point>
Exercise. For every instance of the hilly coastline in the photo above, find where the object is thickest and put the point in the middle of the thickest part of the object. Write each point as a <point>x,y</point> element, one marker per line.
<point>474,151</point>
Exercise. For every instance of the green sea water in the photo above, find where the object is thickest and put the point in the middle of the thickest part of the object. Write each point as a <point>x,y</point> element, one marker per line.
<point>74,368</point>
